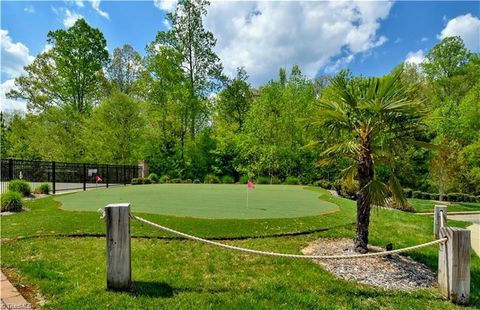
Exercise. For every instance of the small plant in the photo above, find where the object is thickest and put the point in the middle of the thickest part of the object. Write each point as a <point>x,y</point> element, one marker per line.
<point>11,201</point>
<point>136,181</point>
<point>276,180</point>
<point>187,181</point>
<point>417,194</point>
<point>44,188</point>
<point>164,179</point>
<point>20,186</point>
<point>243,179</point>
<point>407,192</point>
<point>324,184</point>
<point>291,181</point>
<point>196,181</point>
<point>146,181</point>
<point>211,179</point>
<point>262,180</point>
<point>227,179</point>
<point>176,181</point>
<point>154,177</point>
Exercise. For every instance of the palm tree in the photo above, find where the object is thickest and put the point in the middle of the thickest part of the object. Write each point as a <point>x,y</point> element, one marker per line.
<point>371,120</point>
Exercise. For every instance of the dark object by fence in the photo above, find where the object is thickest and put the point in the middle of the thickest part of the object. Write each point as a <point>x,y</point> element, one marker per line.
<point>64,176</point>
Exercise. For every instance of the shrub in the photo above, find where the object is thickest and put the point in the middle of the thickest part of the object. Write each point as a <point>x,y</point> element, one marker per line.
<point>262,180</point>
<point>11,201</point>
<point>407,192</point>
<point>291,181</point>
<point>323,183</point>
<point>187,181</point>
<point>211,179</point>
<point>146,181</point>
<point>228,179</point>
<point>434,196</point>
<point>276,180</point>
<point>349,190</point>
<point>243,179</point>
<point>417,194</point>
<point>424,195</point>
<point>196,181</point>
<point>136,181</point>
<point>164,179</point>
<point>394,205</point>
<point>176,180</point>
<point>20,186</point>
<point>44,188</point>
<point>154,177</point>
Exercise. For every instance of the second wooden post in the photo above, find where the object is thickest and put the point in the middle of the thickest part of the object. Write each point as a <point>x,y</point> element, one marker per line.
<point>119,267</point>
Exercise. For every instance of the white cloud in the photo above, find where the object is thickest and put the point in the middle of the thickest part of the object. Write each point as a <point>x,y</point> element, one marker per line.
<point>14,55</point>
<point>166,23</point>
<point>29,9</point>
<point>69,17</point>
<point>466,27</point>
<point>165,5</point>
<point>424,39</point>
<point>264,36</point>
<point>79,3</point>
<point>10,104</point>
<point>96,7</point>
<point>415,58</point>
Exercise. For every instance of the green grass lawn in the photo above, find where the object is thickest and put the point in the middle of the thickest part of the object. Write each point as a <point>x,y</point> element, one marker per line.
<point>421,205</point>
<point>62,253</point>
<point>205,200</point>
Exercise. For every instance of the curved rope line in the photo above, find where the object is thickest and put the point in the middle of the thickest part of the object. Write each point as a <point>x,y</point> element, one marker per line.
<point>231,247</point>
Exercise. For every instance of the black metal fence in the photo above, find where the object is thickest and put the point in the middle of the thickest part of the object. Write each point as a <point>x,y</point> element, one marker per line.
<point>64,176</point>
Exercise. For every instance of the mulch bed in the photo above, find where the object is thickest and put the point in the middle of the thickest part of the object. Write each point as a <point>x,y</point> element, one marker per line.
<point>397,272</point>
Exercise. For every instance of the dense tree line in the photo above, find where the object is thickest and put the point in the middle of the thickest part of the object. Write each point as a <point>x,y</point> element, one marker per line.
<point>176,108</point>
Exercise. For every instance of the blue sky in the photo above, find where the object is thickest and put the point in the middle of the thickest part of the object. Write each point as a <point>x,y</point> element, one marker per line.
<point>369,38</point>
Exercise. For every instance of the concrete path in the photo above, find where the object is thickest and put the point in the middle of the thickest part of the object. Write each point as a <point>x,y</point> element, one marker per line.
<point>10,298</point>
<point>475,228</point>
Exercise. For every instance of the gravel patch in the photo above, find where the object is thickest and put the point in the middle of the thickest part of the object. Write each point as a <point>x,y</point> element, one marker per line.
<point>397,272</point>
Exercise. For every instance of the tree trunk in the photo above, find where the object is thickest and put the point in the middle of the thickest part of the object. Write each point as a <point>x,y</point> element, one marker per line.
<point>365,175</point>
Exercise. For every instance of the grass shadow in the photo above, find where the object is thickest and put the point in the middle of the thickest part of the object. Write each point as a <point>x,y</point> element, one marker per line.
<point>152,289</point>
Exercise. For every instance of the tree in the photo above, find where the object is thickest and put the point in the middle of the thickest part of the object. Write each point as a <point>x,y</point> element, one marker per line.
<point>371,119</point>
<point>125,68</point>
<point>199,62</point>
<point>67,74</point>
<point>235,99</point>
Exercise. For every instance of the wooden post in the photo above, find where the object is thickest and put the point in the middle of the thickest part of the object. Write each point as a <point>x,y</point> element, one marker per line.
<point>454,264</point>
<point>437,220</point>
<point>119,268</point>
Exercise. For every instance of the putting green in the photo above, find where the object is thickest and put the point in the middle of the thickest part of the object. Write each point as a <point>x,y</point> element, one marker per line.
<point>205,200</point>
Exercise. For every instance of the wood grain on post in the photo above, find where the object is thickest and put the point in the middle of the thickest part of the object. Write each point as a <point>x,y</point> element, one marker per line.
<point>454,264</point>
<point>437,220</point>
<point>119,268</point>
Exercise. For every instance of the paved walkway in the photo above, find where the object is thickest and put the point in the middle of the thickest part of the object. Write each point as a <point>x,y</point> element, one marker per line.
<point>10,298</point>
<point>475,228</point>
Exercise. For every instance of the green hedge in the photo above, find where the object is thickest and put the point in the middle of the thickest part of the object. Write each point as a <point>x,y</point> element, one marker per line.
<point>20,186</point>
<point>324,184</point>
<point>262,180</point>
<point>154,177</point>
<point>211,179</point>
<point>291,181</point>
<point>228,179</point>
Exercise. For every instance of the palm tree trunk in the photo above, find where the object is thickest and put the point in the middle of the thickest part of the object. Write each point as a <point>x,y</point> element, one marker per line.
<point>365,175</point>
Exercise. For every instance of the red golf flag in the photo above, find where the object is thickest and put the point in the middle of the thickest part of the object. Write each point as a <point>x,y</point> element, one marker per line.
<point>98,179</point>
<point>250,184</point>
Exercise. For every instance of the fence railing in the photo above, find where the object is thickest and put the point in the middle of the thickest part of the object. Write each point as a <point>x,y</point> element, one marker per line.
<point>63,176</point>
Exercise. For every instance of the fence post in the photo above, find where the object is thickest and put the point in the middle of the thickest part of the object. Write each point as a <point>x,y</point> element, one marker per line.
<point>119,267</point>
<point>124,175</point>
<point>437,220</point>
<point>454,264</point>
<point>106,179</point>
<point>53,178</point>
<point>84,177</point>
<point>10,169</point>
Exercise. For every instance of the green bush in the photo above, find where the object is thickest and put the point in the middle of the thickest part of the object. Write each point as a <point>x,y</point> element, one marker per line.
<point>434,196</point>
<point>44,188</point>
<point>196,181</point>
<point>276,180</point>
<point>323,183</point>
<point>228,179</point>
<point>20,186</point>
<point>211,179</point>
<point>425,195</point>
<point>146,181</point>
<point>154,177</point>
<point>187,181</point>
<point>417,194</point>
<point>291,181</point>
<point>262,180</point>
<point>176,181</point>
<point>136,181</point>
<point>11,201</point>
<point>407,192</point>
<point>243,179</point>
<point>164,179</point>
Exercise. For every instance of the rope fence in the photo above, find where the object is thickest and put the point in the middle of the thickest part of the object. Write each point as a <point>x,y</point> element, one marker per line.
<point>266,253</point>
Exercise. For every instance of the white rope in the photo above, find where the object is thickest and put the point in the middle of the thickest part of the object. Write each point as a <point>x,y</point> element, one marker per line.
<point>231,247</point>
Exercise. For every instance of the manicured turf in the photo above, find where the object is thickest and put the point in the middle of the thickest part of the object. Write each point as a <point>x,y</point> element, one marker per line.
<point>421,205</point>
<point>62,255</point>
<point>205,200</point>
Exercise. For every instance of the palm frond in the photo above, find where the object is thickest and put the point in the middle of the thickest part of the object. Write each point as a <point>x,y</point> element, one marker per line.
<point>348,148</point>
<point>377,193</point>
